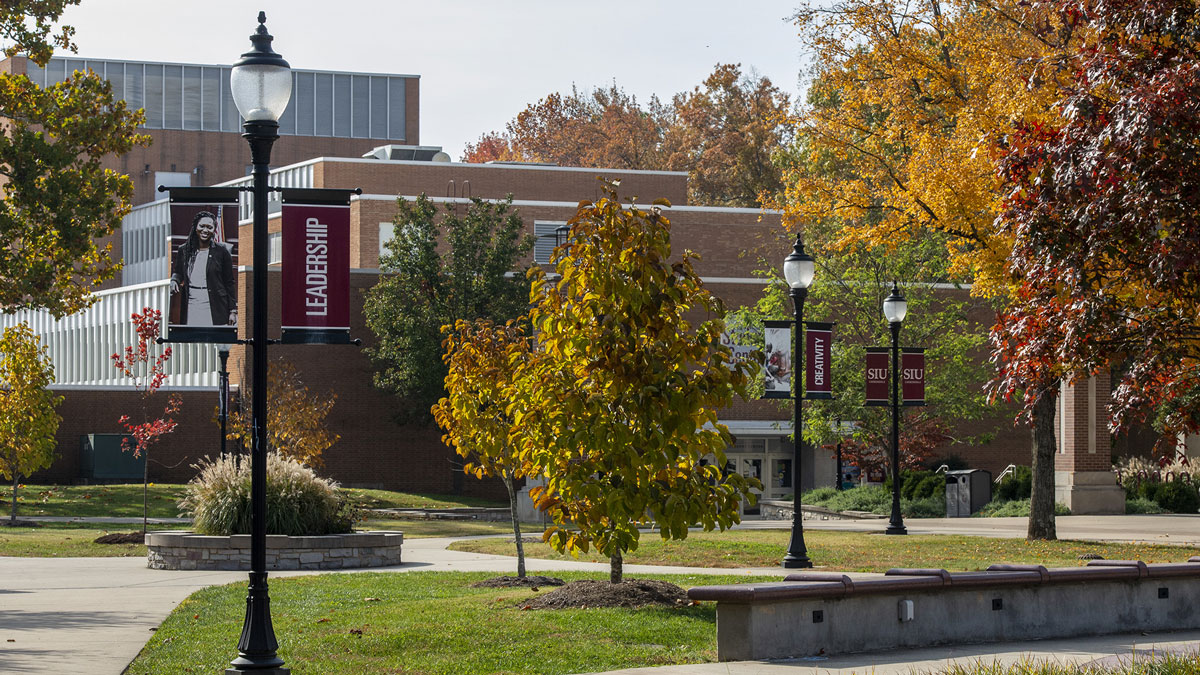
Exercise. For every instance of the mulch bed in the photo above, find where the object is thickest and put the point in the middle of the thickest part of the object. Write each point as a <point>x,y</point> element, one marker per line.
<point>590,593</point>
<point>512,582</point>
<point>121,538</point>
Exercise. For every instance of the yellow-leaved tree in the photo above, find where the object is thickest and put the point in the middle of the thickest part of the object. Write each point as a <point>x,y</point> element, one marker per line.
<point>617,407</point>
<point>483,358</point>
<point>28,421</point>
<point>898,139</point>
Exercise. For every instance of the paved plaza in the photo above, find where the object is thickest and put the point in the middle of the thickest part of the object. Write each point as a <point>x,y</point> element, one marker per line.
<point>93,615</point>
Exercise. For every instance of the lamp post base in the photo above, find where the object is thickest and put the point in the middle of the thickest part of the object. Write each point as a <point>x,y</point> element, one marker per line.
<point>796,562</point>
<point>268,671</point>
<point>896,529</point>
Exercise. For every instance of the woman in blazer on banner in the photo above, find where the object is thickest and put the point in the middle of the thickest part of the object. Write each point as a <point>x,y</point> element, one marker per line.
<point>203,276</point>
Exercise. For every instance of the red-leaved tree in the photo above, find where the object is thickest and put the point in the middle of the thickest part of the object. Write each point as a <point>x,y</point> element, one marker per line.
<point>1102,203</point>
<point>147,370</point>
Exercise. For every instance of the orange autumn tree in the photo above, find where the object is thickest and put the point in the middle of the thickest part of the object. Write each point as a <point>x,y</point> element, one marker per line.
<point>295,417</point>
<point>897,140</point>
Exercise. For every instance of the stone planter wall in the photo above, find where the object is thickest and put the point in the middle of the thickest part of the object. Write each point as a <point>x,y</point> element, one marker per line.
<point>176,550</point>
<point>773,509</point>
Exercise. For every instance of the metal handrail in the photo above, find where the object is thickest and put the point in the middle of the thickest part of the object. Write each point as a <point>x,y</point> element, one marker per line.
<point>1007,470</point>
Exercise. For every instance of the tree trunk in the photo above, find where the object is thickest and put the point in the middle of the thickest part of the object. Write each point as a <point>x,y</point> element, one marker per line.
<point>145,488</point>
<point>516,521</point>
<point>616,572</point>
<point>16,478</point>
<point>1041,501</point>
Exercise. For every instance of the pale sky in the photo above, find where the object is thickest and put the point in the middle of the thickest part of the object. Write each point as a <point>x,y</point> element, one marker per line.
<point>480,61</point>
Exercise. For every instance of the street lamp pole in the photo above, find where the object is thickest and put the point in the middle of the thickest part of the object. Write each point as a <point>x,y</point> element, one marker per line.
<point>223,392</point>
<point>261,84</point>
<point>798,270</point>
<point>895,307</point>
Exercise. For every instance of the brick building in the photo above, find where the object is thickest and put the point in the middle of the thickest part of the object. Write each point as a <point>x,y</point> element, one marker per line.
<point>329,141</point>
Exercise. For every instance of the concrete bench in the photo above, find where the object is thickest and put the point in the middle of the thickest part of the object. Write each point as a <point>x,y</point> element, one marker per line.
<point>823,613</point>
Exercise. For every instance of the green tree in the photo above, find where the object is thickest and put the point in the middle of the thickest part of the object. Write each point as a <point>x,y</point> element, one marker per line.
<point>57,198</point>
<point>429,280</point>
<point>28,421</point>
<point>482,359</point>
<point>617,408</point>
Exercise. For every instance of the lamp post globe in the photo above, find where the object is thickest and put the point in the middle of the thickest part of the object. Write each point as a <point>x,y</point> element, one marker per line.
<point>261,83</point>
<point>895,308</point>
<point>798,270</point>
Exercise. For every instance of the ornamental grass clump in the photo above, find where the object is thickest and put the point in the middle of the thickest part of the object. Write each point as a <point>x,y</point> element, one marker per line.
<point>298,501</point>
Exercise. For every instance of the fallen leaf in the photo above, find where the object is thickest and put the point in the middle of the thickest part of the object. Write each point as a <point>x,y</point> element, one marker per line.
<point>370,599</point>
<point>325,620</point>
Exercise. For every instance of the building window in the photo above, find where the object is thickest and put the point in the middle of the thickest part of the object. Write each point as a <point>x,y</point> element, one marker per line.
<point>543,245</point>
<point>274,248</point>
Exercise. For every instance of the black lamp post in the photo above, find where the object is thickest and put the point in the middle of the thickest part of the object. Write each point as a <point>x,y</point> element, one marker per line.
<point>895,307</point>
<point>223,391</point>
<point>798,269</point>
<point>262,85</point>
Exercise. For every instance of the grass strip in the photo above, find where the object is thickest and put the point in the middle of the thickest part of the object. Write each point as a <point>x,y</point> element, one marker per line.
<point>852,551</point>
<point>430,623</point>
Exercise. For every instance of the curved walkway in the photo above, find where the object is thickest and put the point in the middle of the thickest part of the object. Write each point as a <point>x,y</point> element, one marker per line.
<point>93,615</point>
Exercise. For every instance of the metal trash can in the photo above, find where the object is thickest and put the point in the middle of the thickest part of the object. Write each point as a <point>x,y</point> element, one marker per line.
<point>967,490</point>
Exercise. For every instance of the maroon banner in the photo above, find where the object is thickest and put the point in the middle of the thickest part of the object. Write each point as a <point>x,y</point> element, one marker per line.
<point>912,375</point>
<point>818,353</point>
<point>878,371</point>
<point>315,303</point>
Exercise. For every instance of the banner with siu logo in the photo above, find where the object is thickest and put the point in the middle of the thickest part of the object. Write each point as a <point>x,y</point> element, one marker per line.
<point>912,375</point>
<point>878,371</point>
<point>315,306</point>
<point>818,354</point>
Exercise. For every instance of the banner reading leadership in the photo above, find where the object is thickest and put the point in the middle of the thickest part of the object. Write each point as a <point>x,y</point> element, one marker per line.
<point>315,304</point>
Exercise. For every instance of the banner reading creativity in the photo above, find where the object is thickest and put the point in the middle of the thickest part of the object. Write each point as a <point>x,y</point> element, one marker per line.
<point>203,254</point>
<point>315,303</point>
<point>818,353</point>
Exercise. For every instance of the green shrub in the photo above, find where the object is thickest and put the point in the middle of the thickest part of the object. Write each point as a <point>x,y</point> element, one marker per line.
<point>1014,508</point>
<point>928,507</point>
<point>1177,497</point>
<point>1016,485</point>
<point>818,496</point>
<point>1142,505</point>
<point>298,502</point>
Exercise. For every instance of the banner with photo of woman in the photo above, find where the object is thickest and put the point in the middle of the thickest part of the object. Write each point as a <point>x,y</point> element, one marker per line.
<point>777,370</point>
<point>203,248</point>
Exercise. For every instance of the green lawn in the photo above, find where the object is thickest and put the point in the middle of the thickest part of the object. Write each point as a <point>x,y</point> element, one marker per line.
<point>67,540</point>
<point>92,501</point>
<point>853,551</point>
<point>126,500</point>
<point>430,623</point>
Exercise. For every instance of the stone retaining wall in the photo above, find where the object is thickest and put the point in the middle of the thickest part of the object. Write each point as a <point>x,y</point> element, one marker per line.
<point>778,509</point>
<point>823,613</point>
<point>176,550</point>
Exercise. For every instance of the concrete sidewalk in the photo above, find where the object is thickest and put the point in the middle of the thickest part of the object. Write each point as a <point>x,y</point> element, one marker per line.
<point>93,615</point>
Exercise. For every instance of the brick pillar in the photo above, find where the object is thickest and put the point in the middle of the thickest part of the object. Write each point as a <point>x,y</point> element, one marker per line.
<point>1083,476</point>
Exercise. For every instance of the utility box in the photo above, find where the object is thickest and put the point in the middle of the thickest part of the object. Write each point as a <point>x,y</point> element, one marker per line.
<point>101,459</point>
<point>967,490</point>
